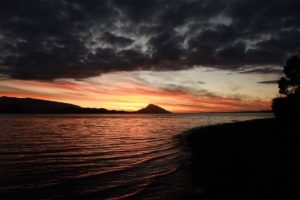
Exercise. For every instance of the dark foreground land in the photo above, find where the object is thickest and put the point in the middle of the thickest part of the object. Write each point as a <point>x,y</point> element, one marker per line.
<point>256,159</point>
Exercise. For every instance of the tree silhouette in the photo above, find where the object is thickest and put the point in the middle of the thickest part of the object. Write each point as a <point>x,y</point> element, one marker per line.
<point>288,107</point>
<point>291,83</point>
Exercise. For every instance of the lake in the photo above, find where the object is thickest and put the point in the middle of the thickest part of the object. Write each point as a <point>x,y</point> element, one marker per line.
<point>124,156</point>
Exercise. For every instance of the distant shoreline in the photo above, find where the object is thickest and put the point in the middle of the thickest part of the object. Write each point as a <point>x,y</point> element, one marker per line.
<point>132,112</point>
<point>14,105</point>
<point>256,159</point>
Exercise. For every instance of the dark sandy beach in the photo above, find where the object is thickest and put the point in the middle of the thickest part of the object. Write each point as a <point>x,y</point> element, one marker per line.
<point>257,159</point>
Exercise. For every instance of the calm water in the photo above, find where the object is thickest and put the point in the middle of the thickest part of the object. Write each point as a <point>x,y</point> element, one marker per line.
<point>97,156</point>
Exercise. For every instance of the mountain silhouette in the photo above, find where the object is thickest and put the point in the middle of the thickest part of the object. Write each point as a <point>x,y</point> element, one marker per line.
<point>12,104</point>
<point>29,105</point>
<point>39,106</point>
<point>151,108</point>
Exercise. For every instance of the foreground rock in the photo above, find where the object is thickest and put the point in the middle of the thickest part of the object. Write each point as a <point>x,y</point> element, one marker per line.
<point>257,159</point>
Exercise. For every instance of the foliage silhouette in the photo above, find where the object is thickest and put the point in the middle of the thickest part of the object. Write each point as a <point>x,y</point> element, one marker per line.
<point>288,107</point>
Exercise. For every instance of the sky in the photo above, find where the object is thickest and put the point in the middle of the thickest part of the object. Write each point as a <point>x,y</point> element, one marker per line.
<point>183,55</point>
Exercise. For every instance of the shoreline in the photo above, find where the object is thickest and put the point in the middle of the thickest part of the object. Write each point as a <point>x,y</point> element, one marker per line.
<point>255,159</point>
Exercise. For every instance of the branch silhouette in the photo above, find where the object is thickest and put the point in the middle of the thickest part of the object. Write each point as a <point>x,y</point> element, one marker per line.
<point>287,108</point>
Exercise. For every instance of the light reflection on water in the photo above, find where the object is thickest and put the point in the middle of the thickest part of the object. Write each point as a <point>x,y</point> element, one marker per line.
<point>96,156</point>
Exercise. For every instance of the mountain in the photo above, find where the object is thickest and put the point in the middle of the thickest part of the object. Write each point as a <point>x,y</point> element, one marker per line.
<point>12,104</point>
<point>29,105</point>
<point>39,106</point>
<point>151,108</point>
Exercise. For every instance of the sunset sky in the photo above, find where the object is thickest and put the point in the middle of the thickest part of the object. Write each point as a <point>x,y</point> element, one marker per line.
<point>186,56</point>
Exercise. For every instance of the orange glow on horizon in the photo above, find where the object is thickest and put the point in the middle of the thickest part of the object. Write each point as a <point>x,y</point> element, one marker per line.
<point>128,96</point>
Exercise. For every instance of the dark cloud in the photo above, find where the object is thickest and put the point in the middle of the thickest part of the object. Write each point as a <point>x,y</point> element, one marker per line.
<point>46,40</point>
<point>269,82</point>
<point>261,70</point>
<point>188,90</point>
<point>118,41</point>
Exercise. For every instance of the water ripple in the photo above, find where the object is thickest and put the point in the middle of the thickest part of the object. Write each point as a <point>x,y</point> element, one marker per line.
<point>94,156</point>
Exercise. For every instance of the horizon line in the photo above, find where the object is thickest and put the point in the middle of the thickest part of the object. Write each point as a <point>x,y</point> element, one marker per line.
<point>204,112</point>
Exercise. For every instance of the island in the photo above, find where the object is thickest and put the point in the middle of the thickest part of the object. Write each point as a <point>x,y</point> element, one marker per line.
<point>40,106</point>
<point>151,108</point>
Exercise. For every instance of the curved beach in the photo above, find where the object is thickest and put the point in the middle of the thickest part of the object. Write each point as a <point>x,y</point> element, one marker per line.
<point>256,159</point>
